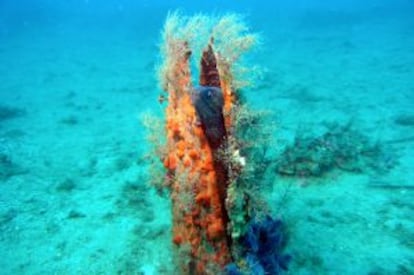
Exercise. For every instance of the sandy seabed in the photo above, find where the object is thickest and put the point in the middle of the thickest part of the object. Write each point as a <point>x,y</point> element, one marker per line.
<point>73,192</point>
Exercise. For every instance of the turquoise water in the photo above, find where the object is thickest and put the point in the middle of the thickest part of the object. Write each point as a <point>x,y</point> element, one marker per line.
<point>76,76</point>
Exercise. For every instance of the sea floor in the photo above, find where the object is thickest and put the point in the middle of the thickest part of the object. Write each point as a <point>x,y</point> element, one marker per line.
<point>74,155</point>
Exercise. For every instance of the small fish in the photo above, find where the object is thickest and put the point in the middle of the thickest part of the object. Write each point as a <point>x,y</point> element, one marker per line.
<point>208,102</point>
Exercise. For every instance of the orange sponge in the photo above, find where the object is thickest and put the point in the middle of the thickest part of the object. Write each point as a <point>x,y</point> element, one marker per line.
<point>202,224</point>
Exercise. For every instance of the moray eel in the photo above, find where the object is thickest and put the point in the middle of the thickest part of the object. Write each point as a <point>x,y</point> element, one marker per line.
<point>208,102</point>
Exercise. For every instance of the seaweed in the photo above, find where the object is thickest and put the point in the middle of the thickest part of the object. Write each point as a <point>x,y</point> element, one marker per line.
<point>70,120</point>
<point>66,185</point>
<point>341,147</point>
<point>8,168</point>
<point>404,120</point>
<point>7,112</point>
<point>74,214</point>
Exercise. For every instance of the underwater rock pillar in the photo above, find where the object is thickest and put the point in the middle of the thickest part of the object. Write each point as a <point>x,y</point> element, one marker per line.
<point>196,180</point>
<point>216,205</point>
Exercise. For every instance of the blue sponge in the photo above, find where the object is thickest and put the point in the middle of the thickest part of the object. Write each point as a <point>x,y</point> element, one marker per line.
<point>263,246</point>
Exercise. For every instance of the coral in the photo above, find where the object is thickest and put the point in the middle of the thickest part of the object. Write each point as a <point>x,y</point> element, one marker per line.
<point>156,136</point>
<point>248,159</point>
